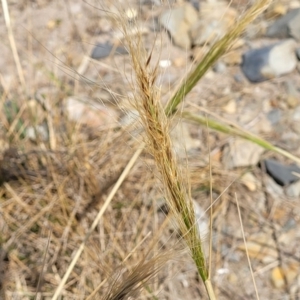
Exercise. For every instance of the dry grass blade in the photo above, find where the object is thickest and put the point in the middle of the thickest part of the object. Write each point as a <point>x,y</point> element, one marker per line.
<point>12,42</point>
<point>211,209</point>
<point>93,294</point>
<point>39,284</point>
<point>129,285</point>
<point>27,225</point>
<point>244,238</point>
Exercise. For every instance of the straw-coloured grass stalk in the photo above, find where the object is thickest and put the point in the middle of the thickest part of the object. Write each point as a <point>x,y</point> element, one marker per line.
<point>156,125</point>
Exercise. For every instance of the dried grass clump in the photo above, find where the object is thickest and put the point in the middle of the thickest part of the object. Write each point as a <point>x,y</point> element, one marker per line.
<point>56,193</point>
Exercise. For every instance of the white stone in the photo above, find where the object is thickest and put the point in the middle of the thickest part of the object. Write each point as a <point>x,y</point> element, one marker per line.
<point>165,63</point>
<point>294,189</point>
<point>240,153</point>
<point>250,181</point>
<point>282,59</point>
<point>178,22</point>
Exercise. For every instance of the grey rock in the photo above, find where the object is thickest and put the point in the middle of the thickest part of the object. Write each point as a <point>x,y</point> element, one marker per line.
<point>275,190</point>
<point>298,53</point>
<point>238,77</point>
<point>274,116</point>
<point>292,95</point>
<point>289,140</point>
<point>103,50</point>
<point>282,174</point>
<point>219,67</point>
<point>270,61</point>
<point>293,190</point>
<point>195,3</point>
<point>286,26</point>
<point>254,61</point>
<point>178,22</point>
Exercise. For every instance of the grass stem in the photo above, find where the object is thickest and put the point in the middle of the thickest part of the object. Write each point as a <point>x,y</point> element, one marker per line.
<point>209,290</point>
<point>213,124</point>
<point>13,43</point>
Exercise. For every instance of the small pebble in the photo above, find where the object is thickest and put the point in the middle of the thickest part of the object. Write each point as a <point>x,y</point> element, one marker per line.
<point>250,181</point>
<point>165,63</point>
<point>238,77</point>
<point>196,4</point>
<point>38,132</point>
<point>278,278</point>
<point>282,174</point>
<point>240,153</point>
<point>298,53</point>
<point>286,26</point>
<point>270,62</point>
<point>219,67</point>
<point>292,95</point>
<point>293,190</point>
<point>274,116</point>
<point>230,107</point>
<point>273,188</point>
<point>103,50</point>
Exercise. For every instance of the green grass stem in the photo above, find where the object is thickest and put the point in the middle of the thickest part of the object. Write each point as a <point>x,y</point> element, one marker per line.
<point>218,126</point>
